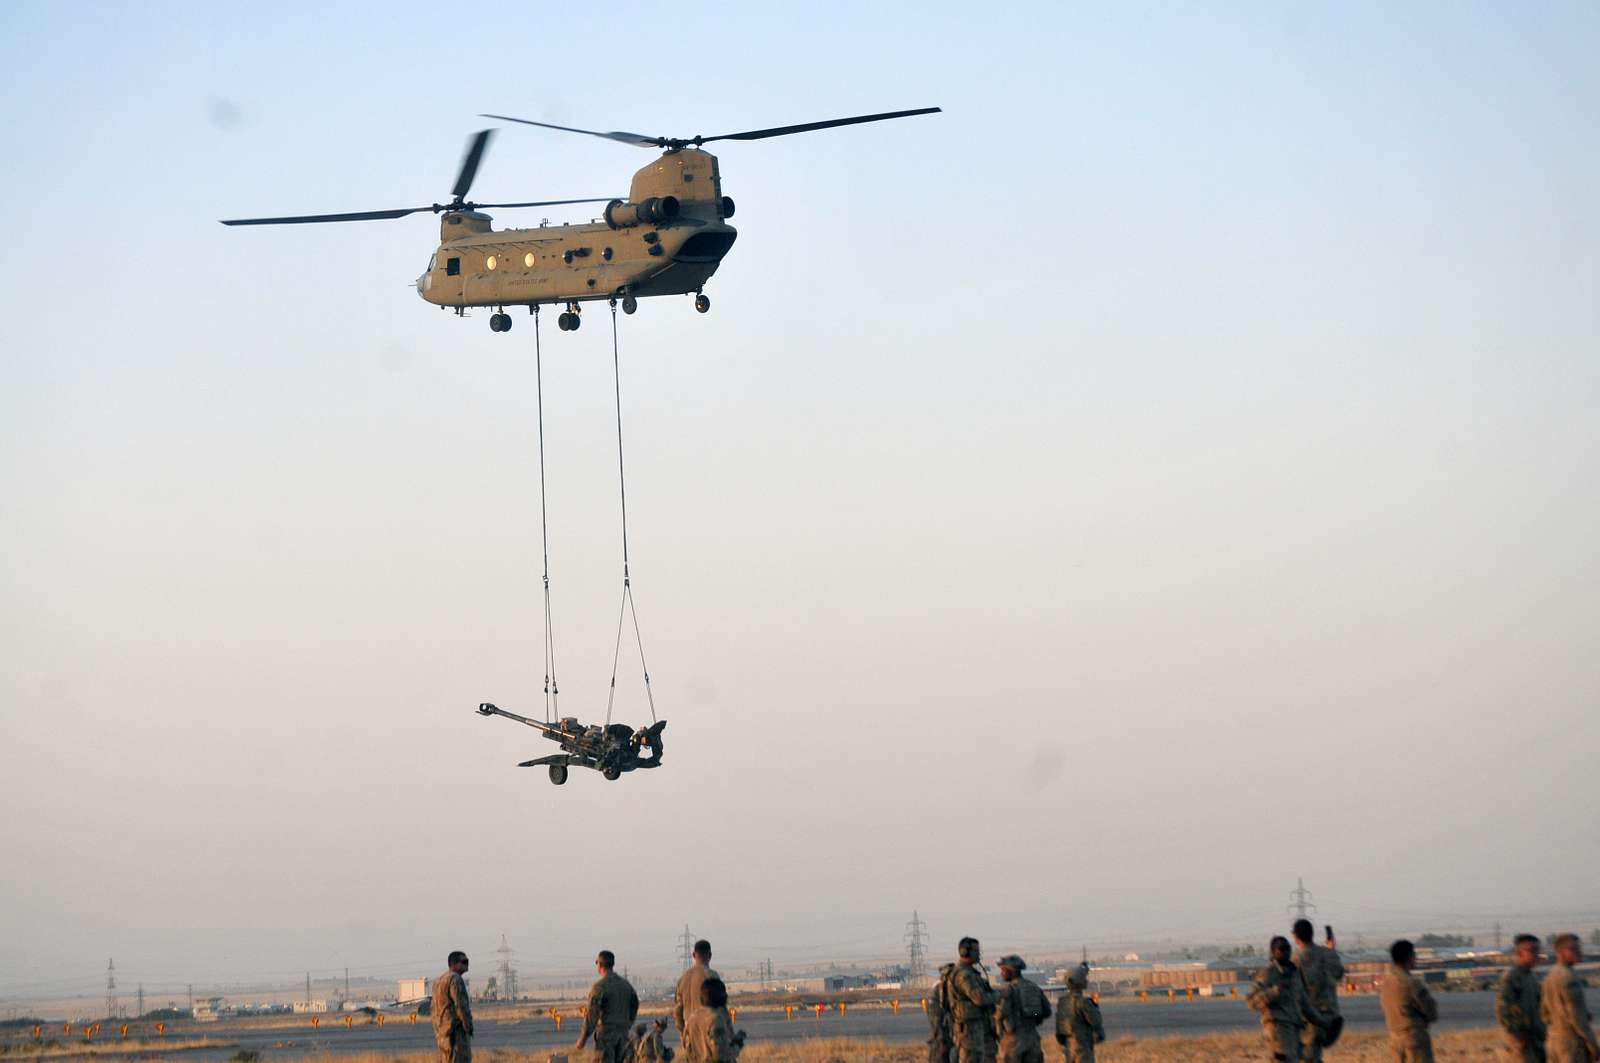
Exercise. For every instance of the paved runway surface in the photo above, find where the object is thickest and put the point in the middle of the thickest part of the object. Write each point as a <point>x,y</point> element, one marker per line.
<point>1457,1011</point>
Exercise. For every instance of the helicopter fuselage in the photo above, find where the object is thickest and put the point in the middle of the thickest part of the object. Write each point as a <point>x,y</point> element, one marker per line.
<point>667,238</point>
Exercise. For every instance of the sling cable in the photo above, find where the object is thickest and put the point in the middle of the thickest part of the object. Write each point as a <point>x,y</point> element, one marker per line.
<point>614,748</point>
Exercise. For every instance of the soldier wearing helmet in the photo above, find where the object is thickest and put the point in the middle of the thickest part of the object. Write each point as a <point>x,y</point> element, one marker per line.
<point>1020,1009</point>
<point>971,1000</point>
<point>1078,1025</point>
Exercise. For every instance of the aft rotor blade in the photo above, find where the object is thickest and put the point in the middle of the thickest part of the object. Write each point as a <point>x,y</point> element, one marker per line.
<point>301,219</point>
<point>806,127</point>
<point>638,140</point>
<point>470,161</point>
<point>546,202</point>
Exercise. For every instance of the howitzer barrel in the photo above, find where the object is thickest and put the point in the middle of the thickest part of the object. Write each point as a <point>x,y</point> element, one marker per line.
<point>488,709</point>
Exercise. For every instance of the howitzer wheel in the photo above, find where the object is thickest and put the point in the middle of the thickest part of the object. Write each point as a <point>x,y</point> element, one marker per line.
<point>558,773</point>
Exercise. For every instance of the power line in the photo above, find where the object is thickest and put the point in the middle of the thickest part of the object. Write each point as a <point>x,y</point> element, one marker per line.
<point>916,938</point>
<point>507,975</point>
<point>1300,900</point>
<point>686,946</point>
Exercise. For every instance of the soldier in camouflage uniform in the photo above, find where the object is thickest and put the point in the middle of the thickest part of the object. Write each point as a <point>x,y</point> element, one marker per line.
<point>613,1005</point>
<point>451,1012</point>
<point>1408,1007</point>
<point>1323,971</point>
<point>1566,1014</point>
<point>971,1000</point>
<point>941,1039</point>
<point>1018,1013</point>
<point>645,1045</point>
<point>1285,1006</point>
<point>1078,1025</point>
<point>686,996</point>
<point>1517,1004</point>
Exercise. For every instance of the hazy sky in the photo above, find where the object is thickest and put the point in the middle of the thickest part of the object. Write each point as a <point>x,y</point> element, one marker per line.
<point>1167,472</point>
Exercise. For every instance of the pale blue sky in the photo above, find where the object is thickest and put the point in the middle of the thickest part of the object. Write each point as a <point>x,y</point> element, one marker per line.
<point>1167,472</point>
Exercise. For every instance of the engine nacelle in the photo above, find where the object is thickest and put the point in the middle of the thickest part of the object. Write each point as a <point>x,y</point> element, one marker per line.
<point>653,211</point>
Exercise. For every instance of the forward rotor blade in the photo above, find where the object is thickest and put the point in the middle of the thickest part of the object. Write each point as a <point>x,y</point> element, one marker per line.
<point>638,140</point>
<point>545,202</point>
<point>470,161</point>
<point>301,219</point>
<point>806,127</point>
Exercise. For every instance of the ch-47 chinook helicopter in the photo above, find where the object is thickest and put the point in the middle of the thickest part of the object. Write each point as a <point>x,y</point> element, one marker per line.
<point>666,238</point>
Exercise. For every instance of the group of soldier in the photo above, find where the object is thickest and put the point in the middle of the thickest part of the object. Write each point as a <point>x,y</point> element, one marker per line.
<point>1297,995</point>
<point>974,1021</point>
<point>699,1011</point>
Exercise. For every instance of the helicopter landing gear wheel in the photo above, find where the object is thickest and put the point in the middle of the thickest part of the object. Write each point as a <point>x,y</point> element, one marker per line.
<point>629,304</point>
<point>702,302</point>
<point>500,322</point>
<point>612,774</point>
<point>558,773</point>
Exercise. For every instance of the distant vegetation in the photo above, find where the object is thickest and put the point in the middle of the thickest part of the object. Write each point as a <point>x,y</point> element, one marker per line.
<point>1443,941</point>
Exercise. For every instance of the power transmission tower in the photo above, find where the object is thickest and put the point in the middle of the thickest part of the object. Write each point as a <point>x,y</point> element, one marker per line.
<point>916,937</point>
<point>191,993</point>
<point>308,990</point>
<point>141,1002</point>
<point>1300,900</point>
<point>506,974</point>
<point>113,1005</point>
<point>1497,937</point>
<point>686,946</point>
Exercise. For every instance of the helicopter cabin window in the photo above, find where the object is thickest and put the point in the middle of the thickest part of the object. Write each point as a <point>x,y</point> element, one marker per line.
<point>490,262</point>
<point>452,267</point>
<point>527,260</point>
<point>433,263</point>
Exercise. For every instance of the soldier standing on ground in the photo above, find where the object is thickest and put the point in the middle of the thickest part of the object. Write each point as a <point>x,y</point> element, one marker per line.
<point>1408,1007</point>
<point>971,1005</point>
<point>451,1012</point>
<point>1565,1012</point>
<point>613,1005</point>
<point>940,1037</point>
<point>1322,970</point>
<point>1280,996</point>
<point>1078,1026</point>
<point>1018,1013</point>
<point>709,1036</point>
<point>1517,1004</point>
<point>686,997</point>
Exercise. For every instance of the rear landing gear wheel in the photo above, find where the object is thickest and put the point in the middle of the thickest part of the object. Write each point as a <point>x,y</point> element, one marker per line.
<point>500,322</point>
<point>569,321</point>
<point>612,774</point>
<point>494,322</point>
<point>558,773</point>
<point>629,304</point>
<point>702,302</point>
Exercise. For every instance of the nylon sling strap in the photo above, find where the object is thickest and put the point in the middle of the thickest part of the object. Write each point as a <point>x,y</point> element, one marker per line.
<point>628,609</point>
<point>552,690</point>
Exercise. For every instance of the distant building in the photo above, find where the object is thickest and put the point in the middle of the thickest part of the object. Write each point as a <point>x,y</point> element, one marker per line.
<point>412,990</point>
<point>206,1009</point>
<point>835,983</point>
<point>1185,978</point>
<point>310,1007</point>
